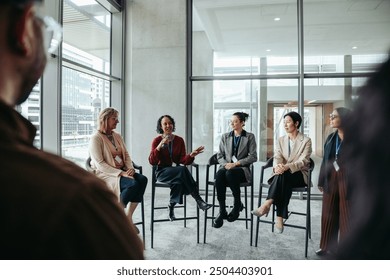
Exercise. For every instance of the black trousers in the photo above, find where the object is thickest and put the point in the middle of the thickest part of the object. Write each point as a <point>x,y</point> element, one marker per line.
<point>229,178</point>
<point>180,180</point>
<point>280,190</point>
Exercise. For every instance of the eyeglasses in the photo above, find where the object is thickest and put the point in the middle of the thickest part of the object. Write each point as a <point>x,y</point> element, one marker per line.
<point>332,117</point>
<point>52,33</point>
<point>52,30</point>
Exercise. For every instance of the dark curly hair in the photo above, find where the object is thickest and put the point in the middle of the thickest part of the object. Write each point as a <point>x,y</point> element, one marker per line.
<point>159,128</point>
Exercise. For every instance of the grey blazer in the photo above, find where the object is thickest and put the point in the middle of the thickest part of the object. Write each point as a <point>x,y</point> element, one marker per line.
<point>246,153</point>
<point>299,158</point>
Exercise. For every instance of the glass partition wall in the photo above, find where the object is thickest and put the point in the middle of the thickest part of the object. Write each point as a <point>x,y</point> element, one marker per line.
<point>269,57</point>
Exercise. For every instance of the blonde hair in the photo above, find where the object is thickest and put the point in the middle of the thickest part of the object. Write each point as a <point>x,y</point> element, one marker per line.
<point>104,115</point>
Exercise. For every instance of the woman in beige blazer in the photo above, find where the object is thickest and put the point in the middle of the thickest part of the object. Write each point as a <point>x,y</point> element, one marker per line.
<point>290,169</point>
<point>111,162</point>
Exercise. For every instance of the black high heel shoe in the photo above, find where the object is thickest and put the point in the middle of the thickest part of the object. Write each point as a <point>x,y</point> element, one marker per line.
<point>235,213</point>
<point>202,205</point>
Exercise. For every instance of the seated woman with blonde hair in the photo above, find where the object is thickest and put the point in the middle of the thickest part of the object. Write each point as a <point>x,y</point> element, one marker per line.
<point>112,163</point>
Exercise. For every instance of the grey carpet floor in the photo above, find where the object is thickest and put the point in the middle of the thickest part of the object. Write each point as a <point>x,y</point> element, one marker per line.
<point>173,241</point>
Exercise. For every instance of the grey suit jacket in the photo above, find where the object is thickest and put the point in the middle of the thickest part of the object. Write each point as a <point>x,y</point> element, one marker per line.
<point>246,153</point>
<point>299,158</point>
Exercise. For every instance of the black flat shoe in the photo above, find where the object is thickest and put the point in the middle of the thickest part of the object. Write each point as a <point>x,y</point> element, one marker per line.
<point>171,212</point>
<point>235,213</point>
<point>218,221</point>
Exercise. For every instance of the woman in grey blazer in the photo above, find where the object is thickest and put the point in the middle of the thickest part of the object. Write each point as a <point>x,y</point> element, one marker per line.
<point>290,169</point>
<point>237,150</point>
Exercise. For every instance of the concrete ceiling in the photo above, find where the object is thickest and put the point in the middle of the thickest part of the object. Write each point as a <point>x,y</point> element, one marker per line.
<point>331,27</point>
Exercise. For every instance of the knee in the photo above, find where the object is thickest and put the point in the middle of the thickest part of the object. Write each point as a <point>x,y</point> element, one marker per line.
<point>181,169</point>
<point>144,180</point>
<point>221,175</point>
<point>229,175</point>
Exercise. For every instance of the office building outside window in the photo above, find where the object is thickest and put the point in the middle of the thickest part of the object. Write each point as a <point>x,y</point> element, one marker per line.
<point>87,55</point>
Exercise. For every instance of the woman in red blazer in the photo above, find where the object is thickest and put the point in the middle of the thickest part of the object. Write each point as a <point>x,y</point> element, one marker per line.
<point>168,149</point>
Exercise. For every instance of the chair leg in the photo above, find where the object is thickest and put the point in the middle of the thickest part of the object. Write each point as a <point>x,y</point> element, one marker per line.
<point>205,214</point>
<point>152,217</point>
<point>143,221</point>
<point>246,211</point>
<point>213,211</point>
<point>197,224</point>
<point>185,211</point>
<point>257,218</point>
<point>246,208</point>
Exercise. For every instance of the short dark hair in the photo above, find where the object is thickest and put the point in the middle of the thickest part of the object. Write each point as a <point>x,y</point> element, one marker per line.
<point>295,117</point>
<point>242,116</point>
<point>159,128</point>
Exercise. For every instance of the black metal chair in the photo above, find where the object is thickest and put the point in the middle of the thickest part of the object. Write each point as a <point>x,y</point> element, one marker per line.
<point>138,168</point>
<point>185,218</point>
<point>302,190</point>
<point>213,166</point>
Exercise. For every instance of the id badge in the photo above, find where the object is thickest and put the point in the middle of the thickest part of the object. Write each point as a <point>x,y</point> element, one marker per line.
<point>118,159</point>
<point>336,166</point>
<point>234,159</point>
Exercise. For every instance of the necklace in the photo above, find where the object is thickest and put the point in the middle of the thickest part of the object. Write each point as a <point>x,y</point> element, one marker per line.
<point>112,140</point>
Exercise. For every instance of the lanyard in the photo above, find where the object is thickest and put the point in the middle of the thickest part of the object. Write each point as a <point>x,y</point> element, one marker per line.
<point>338,145</point>
<point>236,143</point>
<point>170,149</point>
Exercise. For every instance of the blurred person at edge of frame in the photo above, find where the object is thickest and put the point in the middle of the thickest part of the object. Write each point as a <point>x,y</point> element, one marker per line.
<point>367,150</point>
<point>49,207</point>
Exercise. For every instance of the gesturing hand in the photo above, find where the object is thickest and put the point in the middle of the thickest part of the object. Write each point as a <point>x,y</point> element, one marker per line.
<point>197,151</point>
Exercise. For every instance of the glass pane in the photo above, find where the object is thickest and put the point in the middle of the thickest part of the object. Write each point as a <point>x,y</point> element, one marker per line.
<point>214,102</point>
<point>31,110</point>
<point>87,34</point>
<point>83,97</point>
<point>257,37</point>
<point>345,36</point>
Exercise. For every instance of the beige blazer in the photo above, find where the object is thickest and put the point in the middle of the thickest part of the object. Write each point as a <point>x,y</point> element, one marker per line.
<point>102,161</point>
<point>299,158</point>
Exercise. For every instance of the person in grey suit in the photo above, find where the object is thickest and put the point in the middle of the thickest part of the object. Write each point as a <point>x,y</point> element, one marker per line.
<point>237,150</point>
<point>290,169</point>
